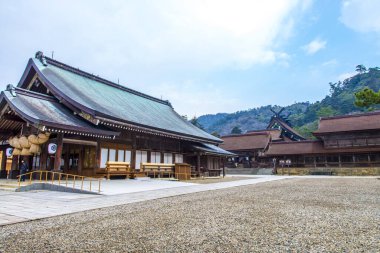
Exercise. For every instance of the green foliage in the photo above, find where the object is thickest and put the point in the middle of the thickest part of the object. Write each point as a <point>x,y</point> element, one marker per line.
<point>216,134</point>
<point>361,68</point>
<point>196,123</point>
<point>236,130</point>
<point>326,111</point>
<point>367,98</point>
<point>308,129</point>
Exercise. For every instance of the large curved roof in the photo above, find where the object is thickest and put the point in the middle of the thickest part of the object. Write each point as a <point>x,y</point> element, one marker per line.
<point>104,99</point>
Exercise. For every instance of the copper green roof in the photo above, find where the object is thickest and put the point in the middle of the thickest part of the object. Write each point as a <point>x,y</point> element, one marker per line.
<point>45,111</point>
<point>103,99</point>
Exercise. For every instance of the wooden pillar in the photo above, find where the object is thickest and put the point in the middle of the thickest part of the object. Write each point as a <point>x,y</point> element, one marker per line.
<point>67,158</point>
<point>223,161</point>
<point>43,157</point>
<point>148,156</point>
<point>4,161</point>
<point>15,160</point>
<point>81,160</point>
<point>98,154</point>
<point>58,153</point>
<point>133,158</point>
<point>14,166</point>
<point>133,151</point>
<point>199,163</point>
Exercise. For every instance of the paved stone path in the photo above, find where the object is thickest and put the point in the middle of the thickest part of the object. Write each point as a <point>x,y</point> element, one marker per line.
<point>24,206</point>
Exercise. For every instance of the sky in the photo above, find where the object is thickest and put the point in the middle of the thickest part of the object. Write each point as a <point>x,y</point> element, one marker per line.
<point>204,56</point>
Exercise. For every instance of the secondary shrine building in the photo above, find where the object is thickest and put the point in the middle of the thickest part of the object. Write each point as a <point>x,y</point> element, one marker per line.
<point>343,145</point>
<point>92,120</point>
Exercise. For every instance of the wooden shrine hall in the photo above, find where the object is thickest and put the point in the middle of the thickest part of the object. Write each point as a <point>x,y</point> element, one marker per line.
<point>344,145</point>
<point>251,146</point>
<point>60,118</point>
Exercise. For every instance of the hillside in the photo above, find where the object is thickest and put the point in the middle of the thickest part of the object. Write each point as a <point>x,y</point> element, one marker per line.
<point>303,116</point>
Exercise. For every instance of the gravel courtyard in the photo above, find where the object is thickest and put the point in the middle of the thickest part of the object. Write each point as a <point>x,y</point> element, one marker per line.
<point>292,215</point>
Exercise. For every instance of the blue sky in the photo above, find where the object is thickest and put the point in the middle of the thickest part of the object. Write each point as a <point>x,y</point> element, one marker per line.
<point>203,56</point>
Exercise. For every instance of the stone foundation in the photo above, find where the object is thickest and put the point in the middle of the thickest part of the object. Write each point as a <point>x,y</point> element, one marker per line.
<point>336,171</point>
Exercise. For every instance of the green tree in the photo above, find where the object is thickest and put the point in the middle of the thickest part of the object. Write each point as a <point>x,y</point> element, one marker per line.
<point>361,68</point>
<point>326,111</point>
<point>196,123</point>
<point>236,130</point>
<point>367,98</point>
<point>308,129</point>
<point>216,134</point>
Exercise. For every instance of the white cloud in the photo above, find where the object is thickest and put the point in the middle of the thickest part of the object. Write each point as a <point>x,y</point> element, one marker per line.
<point>344,76</point>
<point>330,63</point>
<point>194,100</point>
<point>361,15</point>
<point>144,43</point>
<point>314,46</point>
<point>202,33</point>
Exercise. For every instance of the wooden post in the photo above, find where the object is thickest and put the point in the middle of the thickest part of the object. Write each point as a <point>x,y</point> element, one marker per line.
<point>43,157</point>
<point>98,154</point>
<point>14,166</point>
<point>199,164</point>
<point>224,166</point>
<point>148,156</point>
<point>58,153</point>
<point>4,161</point>
<point>133,159</point>
<point>67,158</point>
<point>133,152</point>
<point>339,161</point>
<point>81,160</point>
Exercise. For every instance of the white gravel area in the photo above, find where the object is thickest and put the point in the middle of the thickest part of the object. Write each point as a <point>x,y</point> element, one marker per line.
<point>292,215</point>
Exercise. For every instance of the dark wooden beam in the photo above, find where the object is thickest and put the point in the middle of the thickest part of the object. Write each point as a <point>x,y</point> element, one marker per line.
<point>12,118</point>
<point>6,131</point>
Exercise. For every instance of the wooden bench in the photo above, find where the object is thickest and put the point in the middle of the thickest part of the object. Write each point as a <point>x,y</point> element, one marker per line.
<point>214,172</point>
<point>159,169</point>
<point>119,169</point>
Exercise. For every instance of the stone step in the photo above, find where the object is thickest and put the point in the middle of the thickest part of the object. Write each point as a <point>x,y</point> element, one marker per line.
<point>248,171</point>
<point>11,189</point>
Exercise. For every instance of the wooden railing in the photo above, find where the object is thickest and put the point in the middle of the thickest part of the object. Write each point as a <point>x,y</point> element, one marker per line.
<point>62,179</point>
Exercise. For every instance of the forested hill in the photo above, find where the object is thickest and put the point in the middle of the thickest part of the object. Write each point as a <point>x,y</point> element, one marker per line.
<point>303,116</point>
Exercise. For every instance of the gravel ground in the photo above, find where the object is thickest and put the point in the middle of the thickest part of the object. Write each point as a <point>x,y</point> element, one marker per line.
<point>294,215</point>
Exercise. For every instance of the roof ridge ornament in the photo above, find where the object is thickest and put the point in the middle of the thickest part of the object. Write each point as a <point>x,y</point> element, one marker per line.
<point>40,56</point>
<point>11,89</point>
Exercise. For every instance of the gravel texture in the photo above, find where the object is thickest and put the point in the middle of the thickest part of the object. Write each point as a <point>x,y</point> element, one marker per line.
<point>293,215</point>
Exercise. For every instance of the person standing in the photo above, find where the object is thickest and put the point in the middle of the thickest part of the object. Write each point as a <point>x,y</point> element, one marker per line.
<point>23,169</point>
